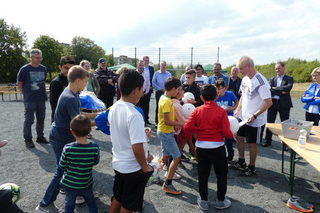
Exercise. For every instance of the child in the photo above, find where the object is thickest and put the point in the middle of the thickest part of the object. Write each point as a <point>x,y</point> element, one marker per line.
<point>67,108</point>
<point>211,131</point>
<point>166,124</point>
<point>129,146</point>
<point>77,161</point>
<point>228,101</point>
<point>191,86</point>
<point>60,82</point>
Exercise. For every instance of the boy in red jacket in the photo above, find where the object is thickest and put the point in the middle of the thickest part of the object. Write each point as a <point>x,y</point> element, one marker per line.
<point>210,132</point>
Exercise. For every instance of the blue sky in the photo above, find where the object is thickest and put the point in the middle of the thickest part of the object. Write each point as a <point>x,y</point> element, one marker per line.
<point>265,30</point>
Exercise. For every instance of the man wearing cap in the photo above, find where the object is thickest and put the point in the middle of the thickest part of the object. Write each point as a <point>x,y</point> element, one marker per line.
<point>107,80</point>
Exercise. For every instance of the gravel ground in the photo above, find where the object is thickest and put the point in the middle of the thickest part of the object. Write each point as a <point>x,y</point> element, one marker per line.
<point>32,169</point>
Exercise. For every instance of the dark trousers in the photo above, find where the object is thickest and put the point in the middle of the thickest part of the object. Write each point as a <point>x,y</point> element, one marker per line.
<point>313,117</point>
<point>217,158</point>
<point>272,115</point>
<point>229,145</point>
<point>107,100</point>
<point>31,108</point>
<point>144,104</point>
<point>158,95</point>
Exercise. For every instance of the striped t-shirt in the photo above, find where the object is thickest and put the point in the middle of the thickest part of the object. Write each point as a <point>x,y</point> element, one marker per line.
<point>77,161</point>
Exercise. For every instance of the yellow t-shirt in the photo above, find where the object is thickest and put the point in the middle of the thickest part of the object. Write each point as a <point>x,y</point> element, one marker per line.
<point>165,106</point>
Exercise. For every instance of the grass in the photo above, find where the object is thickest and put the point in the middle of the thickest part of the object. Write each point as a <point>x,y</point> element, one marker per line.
<point>298,89</point>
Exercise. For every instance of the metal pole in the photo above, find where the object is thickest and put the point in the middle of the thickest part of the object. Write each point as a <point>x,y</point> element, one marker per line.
<point>218,56</point>
<point>135,57</point>
<point>112,55</point>
<point>159,55</point>
<point>191,56</point>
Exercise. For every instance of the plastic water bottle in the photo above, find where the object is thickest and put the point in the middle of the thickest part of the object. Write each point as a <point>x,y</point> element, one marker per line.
<point>302,138</point>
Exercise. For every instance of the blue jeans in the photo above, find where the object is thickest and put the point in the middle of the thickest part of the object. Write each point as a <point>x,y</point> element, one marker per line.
<point>169,145</point>
<point>54,186</point>
<point>70,199</point>
<point>31,108</point>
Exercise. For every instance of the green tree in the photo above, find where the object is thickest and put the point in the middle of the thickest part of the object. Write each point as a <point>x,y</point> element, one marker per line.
<point>84,48</point>
<point>52,51</point>
<point>12,45</point>
<point>110,61</point>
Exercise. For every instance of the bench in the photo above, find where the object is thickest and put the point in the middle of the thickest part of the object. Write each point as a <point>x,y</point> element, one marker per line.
<point>9,90</point>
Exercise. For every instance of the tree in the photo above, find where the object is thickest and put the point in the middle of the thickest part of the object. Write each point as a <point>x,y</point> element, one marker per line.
<point>12,45</point>
<point>52,51</point>
<point>84,48</point>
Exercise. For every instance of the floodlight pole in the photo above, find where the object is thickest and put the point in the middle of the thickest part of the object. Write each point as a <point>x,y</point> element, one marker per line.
<point>191,56</point>
<point>218,55</point>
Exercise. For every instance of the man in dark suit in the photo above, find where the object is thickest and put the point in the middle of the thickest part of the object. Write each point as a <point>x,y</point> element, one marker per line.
<point>281,86</point>
<point>147,73</point>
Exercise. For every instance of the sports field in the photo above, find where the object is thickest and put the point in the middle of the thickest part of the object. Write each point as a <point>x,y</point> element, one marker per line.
<point>32,170</point>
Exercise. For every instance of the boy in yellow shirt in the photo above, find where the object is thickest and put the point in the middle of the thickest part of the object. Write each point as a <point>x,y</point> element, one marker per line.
<point>166,124</point>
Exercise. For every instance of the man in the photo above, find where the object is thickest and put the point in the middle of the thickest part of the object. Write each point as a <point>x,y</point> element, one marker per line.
<point>106,79</point>
<point>60,82</point>
<point>31,82</point>
<point>183,76</point>
<point>158,80</point>
<point>281,86</point>
<point>235,82</point>
<point>255,100</point>
<point>200,79</point>
<point>217,74</point>
<point>129,143</point>
<point>147,73</point>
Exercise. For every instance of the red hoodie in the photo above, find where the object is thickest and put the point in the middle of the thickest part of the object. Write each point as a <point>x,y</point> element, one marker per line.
<point>210,122</point>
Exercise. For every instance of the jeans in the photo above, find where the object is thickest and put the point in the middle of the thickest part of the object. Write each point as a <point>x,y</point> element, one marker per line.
<point>30,108</point>
<point>54,186</point>
<point>70,199</point>
<point>169,145</point>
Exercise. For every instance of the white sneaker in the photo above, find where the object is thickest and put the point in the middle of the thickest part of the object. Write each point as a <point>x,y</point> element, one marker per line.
<point>222,204</point>
<point>203,204</point>
<point>80,200</point>
<point>47,209</point>
<point>176,176</point>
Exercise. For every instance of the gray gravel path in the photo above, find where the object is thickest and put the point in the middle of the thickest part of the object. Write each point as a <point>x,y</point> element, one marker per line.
<point>32,170</point>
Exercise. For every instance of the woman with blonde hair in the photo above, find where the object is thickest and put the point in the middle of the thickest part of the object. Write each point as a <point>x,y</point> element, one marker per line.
<point>92,84</point>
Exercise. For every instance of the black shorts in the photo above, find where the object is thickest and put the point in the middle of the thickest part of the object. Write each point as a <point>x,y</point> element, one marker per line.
<point>128,189</point>
<point>250,133</point>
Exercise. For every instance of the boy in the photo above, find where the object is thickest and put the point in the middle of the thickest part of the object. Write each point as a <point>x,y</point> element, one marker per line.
<point>129,146</point>
<point>60,82</point>
<point>211,131</point>
<point>228,101</point>
<point>77,161</point>
<point>67,108</point>
<point>166,124</point>
<point>191,86</point>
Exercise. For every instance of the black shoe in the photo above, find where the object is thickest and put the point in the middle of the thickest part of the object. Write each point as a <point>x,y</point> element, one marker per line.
<point>184,158</point>
<point>29,143</point>
<point>247,172</point>
<point>266,143</point>
<point>42,140</point>
<point>239,166</point>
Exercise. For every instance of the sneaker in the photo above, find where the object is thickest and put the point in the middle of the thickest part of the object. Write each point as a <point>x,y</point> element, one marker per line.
<point>29,143</point>
<point>176,176</point>
<point>47,209</point>
<point>222,204</point>
<point>240,166</point>
<point>42,140</point>
<point>170,189</point>
<point>299,205</point>
<point>203,204</point>
<point>80,200</point>
<point>184,158</point>
<point>62,191</point>
<point>248,172</point>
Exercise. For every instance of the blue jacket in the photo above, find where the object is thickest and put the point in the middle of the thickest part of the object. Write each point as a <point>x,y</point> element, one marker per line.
<point>308,96</point>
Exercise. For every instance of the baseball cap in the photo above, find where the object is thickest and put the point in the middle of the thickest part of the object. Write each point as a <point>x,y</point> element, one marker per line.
<point>102,60</point>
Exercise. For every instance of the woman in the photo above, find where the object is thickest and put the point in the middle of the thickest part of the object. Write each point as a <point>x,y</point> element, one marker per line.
<point>93,84</point>
<point>312,98</point>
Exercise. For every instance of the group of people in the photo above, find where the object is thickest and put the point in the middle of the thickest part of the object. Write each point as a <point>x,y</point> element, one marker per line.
<point>251,99</point>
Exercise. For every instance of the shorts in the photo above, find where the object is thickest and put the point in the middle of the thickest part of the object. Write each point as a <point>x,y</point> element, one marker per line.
<point>251,134</point>
<point>128,189</point>
<point>169,145</point>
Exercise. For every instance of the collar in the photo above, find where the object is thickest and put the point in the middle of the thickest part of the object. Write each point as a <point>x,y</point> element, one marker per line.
<point>210,103</point>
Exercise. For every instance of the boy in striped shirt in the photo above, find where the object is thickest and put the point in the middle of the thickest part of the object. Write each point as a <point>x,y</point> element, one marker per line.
<point>77,161</point>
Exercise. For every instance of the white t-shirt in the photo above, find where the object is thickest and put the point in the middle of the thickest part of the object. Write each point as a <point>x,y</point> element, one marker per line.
<point>254,92</point>
<point>127,128</point>
<point>201,80</point>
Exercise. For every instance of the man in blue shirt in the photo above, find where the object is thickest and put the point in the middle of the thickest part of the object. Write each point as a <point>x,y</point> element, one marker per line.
<point>217,74</point>
<point>31,82</point>
<point>158,80</point>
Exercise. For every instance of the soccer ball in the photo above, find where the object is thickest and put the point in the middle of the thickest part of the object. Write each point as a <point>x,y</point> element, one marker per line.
<point>234,124</point>
<point>187,109</point>
<point>187,96</point>
<point>14,189</point>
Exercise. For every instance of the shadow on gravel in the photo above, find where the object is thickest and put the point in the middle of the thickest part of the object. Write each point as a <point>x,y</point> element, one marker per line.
<point>47,159</point>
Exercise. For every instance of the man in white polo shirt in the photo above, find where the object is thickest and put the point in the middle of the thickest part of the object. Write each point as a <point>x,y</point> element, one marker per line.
<point>253,105</point>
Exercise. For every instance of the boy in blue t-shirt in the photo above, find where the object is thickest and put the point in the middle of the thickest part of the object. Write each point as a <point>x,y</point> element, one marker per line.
<point>77,161</point>
<point>228,101</point>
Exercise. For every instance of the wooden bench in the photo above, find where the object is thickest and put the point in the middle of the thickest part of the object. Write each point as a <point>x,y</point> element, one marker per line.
<point>9,90</point>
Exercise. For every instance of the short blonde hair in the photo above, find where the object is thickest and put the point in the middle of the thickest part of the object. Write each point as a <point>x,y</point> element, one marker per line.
<point>121,70</point>
<point>77,72</point>
<point>245,60</point>
<point>83,62</point>
<point>316,71</point>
